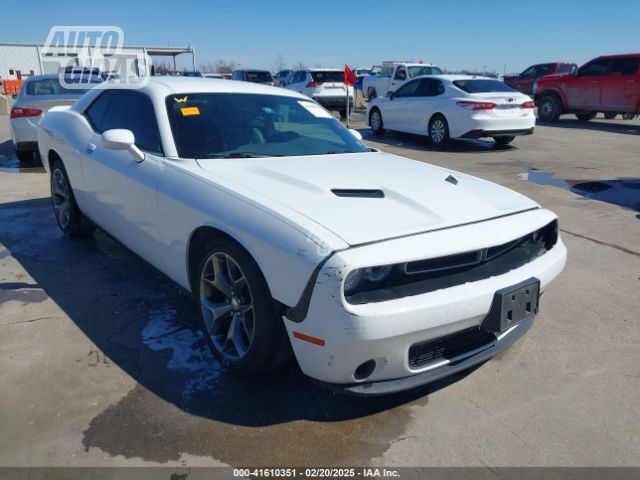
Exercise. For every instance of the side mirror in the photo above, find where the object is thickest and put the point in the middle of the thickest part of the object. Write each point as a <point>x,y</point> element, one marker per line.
<point>356,133</point>
<point>390,95</point>
<point>121,139</point>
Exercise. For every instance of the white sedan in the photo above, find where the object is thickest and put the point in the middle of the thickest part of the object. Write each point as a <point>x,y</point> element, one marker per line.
<point>260,202</point>
<point>454,106</point>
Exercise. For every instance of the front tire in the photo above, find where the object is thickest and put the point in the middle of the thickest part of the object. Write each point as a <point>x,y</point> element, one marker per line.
<point>549,108</point>
<point>238,317</point>
<point>503,140</point>
<point>69,217</point>
<point>585,117</point>
<point>439,131</point>
<point>610,115</point>
<point>375,122</point>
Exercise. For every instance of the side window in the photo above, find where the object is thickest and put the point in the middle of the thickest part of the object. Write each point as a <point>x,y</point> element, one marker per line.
<point>625,66</point>
<point>566,68</point>
<point>544,69</point>
<point>530,72</point>
<point>597,67</point>
<point>408,90</point>
<point>430,87</point>
<point>401,74</point>
<point>129,110</point>
<point>299,76</point>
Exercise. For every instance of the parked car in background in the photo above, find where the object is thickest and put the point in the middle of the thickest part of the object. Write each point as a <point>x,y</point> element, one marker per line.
<point>393,76</point>
<point>361,72</point>
<point>454,106</point>
<point>261,205</point>
<point>280,78</point>
<point>525,80</point>
<point>36,96</point>
<point>609,84</point>
<point>324,85</point>
<point>254,76</point>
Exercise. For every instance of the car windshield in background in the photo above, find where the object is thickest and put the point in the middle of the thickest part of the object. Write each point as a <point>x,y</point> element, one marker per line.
<point>52,86</point>
<point>423,70</point>
<point>482,86</point>
<point>228,125</point>
<point>332,76</point>
<point>259,77</point>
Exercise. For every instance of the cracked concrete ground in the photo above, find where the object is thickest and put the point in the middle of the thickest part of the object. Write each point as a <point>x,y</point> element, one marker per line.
<point>102,364</point>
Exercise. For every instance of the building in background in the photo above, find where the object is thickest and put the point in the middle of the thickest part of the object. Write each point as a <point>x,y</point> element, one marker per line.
<point>18,60</point>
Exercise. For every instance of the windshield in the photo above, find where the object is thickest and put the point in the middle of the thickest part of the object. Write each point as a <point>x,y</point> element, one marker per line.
<point>482,86</point>
<point>423,70</point>
<point>259,77</point>
<point>228,125</point>
<point>328,76</point>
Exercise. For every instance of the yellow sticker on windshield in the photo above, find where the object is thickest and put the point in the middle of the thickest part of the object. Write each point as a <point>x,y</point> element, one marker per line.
<point>188,111</point>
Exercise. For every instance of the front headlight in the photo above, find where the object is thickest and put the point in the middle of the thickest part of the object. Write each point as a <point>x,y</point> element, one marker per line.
<point>370,275</point>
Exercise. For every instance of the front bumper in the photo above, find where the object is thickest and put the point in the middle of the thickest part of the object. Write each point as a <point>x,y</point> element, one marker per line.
<point>385,331</point>
<point>439,370</point>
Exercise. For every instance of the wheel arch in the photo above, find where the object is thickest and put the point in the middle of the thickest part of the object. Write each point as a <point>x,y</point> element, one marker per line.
<point>557,93</point>
<point>197,241</point>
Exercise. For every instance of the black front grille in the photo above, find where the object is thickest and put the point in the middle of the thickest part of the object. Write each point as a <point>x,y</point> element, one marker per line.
<point>448,347</point>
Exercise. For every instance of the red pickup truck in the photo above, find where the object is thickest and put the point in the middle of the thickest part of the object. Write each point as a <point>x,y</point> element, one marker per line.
<point>609,84</point>
<point>524,81</point>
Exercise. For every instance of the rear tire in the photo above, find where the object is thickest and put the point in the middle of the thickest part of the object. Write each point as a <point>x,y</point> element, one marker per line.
<point>439,130</point>
<point>628,116</point>
<point>585,117</point>
<point>610,116</point>
<point>238,317</point>
<point>549,108</point>
<point>503,140</point>
<point>69,217</point>
<point>375,122</point>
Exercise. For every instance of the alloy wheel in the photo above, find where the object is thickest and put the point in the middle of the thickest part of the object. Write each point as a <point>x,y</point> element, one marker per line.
<point>60,195</point>
<point>437,131</point>
<point>227,306</point>
<point>375,121</point>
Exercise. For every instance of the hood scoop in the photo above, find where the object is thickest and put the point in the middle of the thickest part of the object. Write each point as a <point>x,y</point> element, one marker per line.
<point>357,193</point>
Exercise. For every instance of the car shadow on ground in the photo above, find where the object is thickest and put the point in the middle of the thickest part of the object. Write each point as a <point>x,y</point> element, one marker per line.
<point>600,125</point>
<point>419,142</point>
<point>147,325</point>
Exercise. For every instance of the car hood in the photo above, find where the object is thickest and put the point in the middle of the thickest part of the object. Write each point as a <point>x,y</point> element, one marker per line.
<point>366,197</point>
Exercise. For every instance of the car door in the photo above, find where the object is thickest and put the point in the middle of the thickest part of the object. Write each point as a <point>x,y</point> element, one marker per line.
<point>582,91</point>
<point>396,111</point>
<point>620,87</point>
<point>298,81</point>
<point>121,193</point>
<point>398,79</point>
<point>428,99</point>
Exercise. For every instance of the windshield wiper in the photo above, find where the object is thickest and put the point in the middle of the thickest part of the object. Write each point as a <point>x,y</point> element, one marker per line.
<point>245,155</point>
<point>333,152</point>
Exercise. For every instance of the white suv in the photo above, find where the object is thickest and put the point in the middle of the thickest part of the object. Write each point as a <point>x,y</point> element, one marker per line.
<point>324,85</point>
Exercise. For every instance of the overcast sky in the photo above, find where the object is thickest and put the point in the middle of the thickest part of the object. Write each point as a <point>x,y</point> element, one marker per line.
<point>455,35</point>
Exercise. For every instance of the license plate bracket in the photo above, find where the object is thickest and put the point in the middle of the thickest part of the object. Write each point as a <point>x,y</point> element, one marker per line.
<point>512,305</point>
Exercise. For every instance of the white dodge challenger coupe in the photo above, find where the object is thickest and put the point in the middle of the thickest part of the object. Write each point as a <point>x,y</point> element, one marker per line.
<point>381,273</point>
<point>443,107</point>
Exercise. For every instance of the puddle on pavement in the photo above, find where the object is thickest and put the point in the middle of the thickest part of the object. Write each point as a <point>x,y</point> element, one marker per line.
<point>194,407</point>
<point>624,192</point>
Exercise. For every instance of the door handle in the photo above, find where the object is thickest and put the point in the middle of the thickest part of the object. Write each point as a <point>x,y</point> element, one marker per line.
<point>594,81</point>
<point>90,148</point>
<point>631,81</point>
